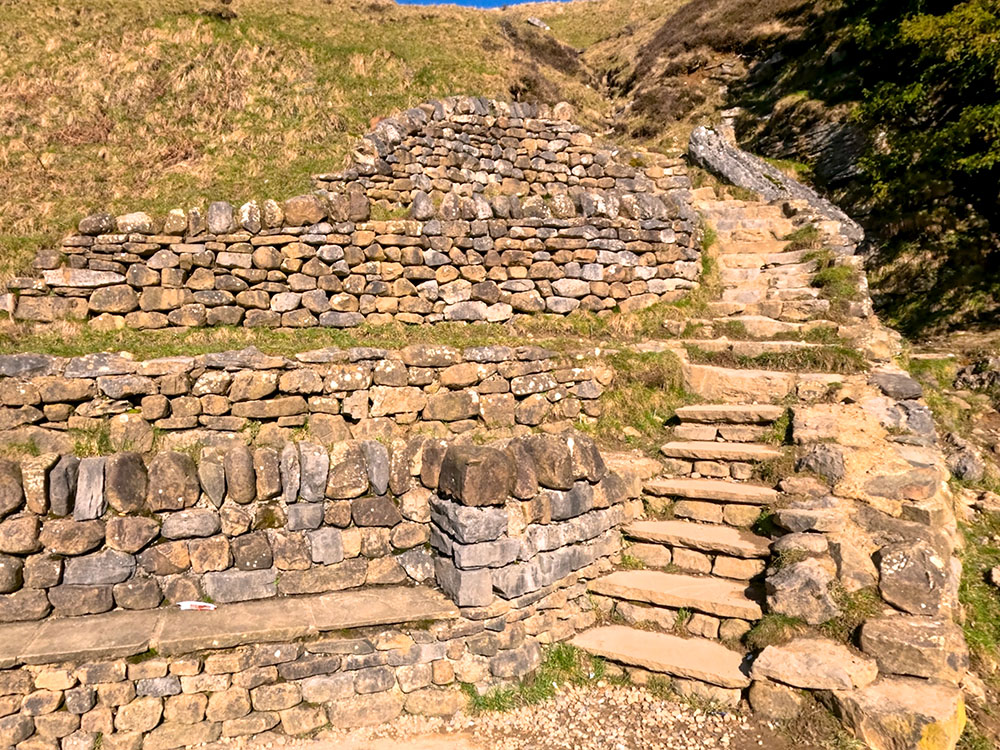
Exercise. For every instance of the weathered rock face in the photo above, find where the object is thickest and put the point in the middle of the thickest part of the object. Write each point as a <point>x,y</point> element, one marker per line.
<point>897,713</point>
<point>815,664</point>
<point>712,151</point>
<point>482,244</point>
<point>917,647</point>
<point>914,577</point>
<point>802,590</point>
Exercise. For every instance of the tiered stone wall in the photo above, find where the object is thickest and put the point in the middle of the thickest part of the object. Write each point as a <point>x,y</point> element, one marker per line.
<point>516,529</point>
<point>329,394</point>
<point>84,536</point>
<point>510,211</point>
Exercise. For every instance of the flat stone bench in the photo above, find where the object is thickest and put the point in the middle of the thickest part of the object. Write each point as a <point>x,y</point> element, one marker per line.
<point>171,631</point>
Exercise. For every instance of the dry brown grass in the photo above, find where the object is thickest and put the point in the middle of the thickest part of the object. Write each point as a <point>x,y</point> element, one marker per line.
<point>143,105</point>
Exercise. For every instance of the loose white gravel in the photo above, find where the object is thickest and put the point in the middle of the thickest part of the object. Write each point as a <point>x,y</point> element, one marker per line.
<point>593,717</point>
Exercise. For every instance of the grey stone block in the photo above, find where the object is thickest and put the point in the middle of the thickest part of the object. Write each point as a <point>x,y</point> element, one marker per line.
<point>240,585</point>
<point>467,588</point>
<point>377,458</point>
<point>304,516</point>
<point>314,467</point>
<point>62,485</point>
<point>326,544</point>
<point>468,525</point>
<point>90,501</point>
<point>571,503</point>
<point>101,568</point>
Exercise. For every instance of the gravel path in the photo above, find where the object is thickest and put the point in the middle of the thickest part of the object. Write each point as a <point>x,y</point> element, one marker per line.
<point>600,717</point>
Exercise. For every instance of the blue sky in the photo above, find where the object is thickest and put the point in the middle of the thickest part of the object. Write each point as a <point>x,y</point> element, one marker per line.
<point>470,3</point>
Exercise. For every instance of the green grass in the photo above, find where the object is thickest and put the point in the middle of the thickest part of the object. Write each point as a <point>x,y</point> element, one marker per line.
<point>803,238</point>
<point>773,630</point>
<point>978,597</point>
<point>773,471</point>
<point>562,664</point>
<point>95,441</point>
<point>143,105</point>
<point>71,340</point>
<point>647,390</point>
<point>855,608</point>
<point>780,432</point>
<point>840,360</point>
<point>938,372</point>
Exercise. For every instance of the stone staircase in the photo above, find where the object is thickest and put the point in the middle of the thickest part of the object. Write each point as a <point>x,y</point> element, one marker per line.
<point>696,594</point>
<point>760,275</point>
<point>693,584</point>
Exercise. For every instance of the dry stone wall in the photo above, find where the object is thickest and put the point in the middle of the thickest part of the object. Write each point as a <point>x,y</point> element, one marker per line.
<point>84,536</point>
<point>504,210</point>
<point>328,395</point>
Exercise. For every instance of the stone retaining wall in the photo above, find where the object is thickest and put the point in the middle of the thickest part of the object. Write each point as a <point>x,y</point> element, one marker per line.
<point>84,536</point>
<point>328,395</point>
<point>510,531</point>
<point>508,211</point>
<point>281,680</point>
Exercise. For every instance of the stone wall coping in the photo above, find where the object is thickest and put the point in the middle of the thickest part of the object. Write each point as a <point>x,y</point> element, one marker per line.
<point>27,365</point>
<point>173,632</point>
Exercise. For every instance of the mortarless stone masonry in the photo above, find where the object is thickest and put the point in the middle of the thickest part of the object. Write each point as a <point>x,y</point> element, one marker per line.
<point>507,211</point>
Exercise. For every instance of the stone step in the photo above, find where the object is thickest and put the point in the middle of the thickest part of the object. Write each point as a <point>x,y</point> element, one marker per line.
<point>713,596</point>
<point>687,658</point>
<point>761,260</point>
<point>703,537</point>
<point>718,490</point>
<point>763,327</point>
<point>708,451</point>
<point>748,348</point>
<point>759,248</point>
<point>730,413</point>
<point>172,631</point>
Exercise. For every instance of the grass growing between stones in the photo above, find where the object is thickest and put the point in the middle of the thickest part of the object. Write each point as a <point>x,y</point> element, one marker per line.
<point>840,360</point>
<point>647,391</point>
<point>75,339</point>
<point>979,597</point>
<point>803,238</point>
<point>773,629</point>
<point>855,608</point>
<point>562,664</point>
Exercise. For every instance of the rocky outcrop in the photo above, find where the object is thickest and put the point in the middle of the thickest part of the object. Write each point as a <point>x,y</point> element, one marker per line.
<point>709,149</point>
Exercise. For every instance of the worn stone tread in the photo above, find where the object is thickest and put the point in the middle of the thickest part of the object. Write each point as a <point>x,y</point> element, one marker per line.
<point>730,413</point>
<point>689,658</point>
<point>718,490</point>
<point>711,538</point>
<point>712,451</point>
<point>173,632</point>
<point>713,596</point>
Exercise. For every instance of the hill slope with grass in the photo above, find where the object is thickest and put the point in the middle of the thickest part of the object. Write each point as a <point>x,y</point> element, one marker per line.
<point>150,105</point>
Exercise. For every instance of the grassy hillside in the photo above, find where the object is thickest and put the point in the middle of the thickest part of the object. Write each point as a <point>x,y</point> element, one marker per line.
<point>151,104</point>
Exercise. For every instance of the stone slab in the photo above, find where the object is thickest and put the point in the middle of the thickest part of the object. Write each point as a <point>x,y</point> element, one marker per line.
<point>703,537</point>
<point>112,635</point>
<point>14,639</point>
<point>711,451</point>
<point>260,621</point>
<point>689,658</point>
<point>385,606</point>
<point>713,596</point>
<point>716,490</point>
<point>730,413</point>
<point>174,632</point>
